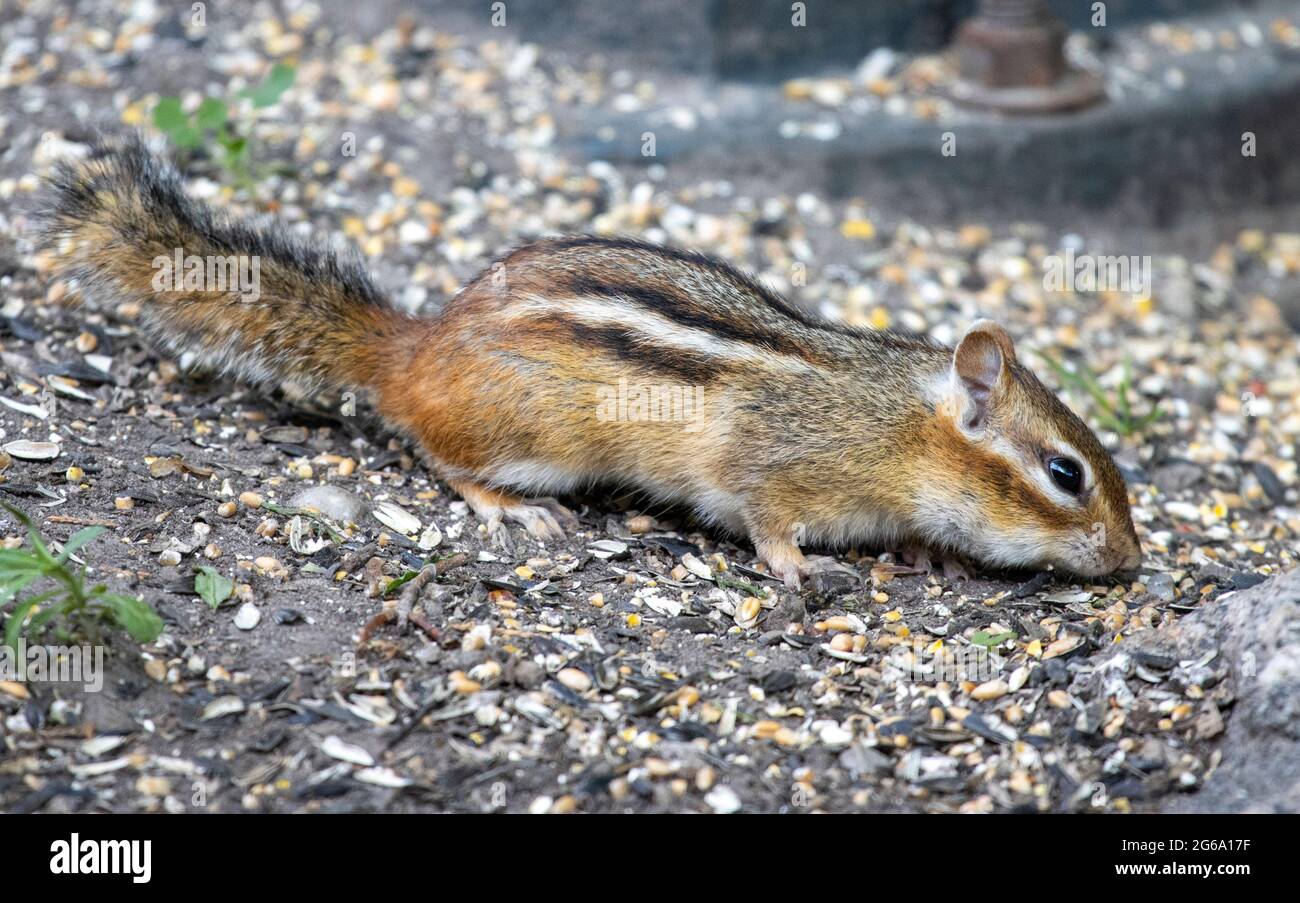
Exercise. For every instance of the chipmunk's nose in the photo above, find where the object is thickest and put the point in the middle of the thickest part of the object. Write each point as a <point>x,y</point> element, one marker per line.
<point>1130,558</point>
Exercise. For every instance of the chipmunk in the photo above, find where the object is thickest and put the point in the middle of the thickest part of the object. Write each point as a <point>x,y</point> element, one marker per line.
<point>804,431</point>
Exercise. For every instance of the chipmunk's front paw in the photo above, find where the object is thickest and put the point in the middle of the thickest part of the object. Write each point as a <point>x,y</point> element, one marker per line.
<point>784,560</point>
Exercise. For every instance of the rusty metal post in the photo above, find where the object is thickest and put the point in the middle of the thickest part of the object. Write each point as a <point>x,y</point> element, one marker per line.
<point>1011,58</point>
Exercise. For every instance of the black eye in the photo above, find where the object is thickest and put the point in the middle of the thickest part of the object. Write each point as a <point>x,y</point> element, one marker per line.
<point>1066,473</point>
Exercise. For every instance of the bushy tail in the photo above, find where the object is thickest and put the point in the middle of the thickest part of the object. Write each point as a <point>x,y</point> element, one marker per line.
<point>244,297</point>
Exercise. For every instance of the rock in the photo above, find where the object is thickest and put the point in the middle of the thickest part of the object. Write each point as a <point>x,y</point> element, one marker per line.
<point>1177,476</point>
<point>789,610</point>
<point>248,616</point>
<point>830,584</point>
<point>527,674</point>
<point>333,502</point>
<point>723,800</point>
<point>859,760</point>
<point>1254,635</point>
<point>693,623</point>
<point>1269,482</point>
<point>1161,586</point>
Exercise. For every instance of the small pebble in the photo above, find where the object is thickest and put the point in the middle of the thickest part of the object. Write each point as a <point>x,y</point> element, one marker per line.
<point>248,616</point>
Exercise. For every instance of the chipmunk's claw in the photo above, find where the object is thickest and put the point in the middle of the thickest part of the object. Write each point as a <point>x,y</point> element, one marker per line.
<point>919,558</point>
<point>784,560</point>
<point>494,507</point>
<point>566,518</point>
<point>790,575</point>
<point>536,519</point>
<point>954,570</point>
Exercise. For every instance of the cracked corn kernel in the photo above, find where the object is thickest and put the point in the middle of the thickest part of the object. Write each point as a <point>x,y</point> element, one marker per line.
<point>786,737</point>
<point>462,684</point>
<point>862,229</point>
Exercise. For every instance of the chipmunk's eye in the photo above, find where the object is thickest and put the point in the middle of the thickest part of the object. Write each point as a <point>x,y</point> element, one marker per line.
<point>1066,473</point>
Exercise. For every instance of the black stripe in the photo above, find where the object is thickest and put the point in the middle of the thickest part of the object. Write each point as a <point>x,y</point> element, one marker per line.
<point>628,345</point>
<point>716,266</point>
<point>681,311</point>
<point>901,339</point>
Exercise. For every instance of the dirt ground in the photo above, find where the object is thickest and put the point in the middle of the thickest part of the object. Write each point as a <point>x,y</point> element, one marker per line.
<point>621,669</point>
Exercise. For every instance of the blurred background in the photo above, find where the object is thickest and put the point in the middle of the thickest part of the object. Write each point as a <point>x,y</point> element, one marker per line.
<point>854,97</point>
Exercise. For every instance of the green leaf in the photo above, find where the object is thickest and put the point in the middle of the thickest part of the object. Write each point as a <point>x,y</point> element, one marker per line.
<point>14,586</point>
<point>398,582</point>
<point>46,615</point>
<point>212,587</point>
<point>14,626</point>
<point>1121,394</point>
<point>77,540</point>
<point>168,115</point>
<point>984,638</point>
<point>133,615</point>
<point>268,93</point>
<point>187,137</point>
<point>235,156</point>
<point>211,114</point>
<point>18,561</point>
<point>18,515</point>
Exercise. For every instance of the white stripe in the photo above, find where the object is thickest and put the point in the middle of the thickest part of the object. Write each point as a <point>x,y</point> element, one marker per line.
<point>654,327</point>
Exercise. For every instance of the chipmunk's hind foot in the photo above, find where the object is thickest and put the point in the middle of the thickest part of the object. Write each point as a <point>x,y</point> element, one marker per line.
<point>919,558</point>
<point>540,517</point>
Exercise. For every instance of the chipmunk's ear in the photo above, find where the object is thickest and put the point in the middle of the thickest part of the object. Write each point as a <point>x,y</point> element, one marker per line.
<point>979,368</point>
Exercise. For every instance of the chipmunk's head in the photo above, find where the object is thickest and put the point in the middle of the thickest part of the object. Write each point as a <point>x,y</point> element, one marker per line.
<point>1023,481</point>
